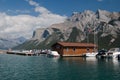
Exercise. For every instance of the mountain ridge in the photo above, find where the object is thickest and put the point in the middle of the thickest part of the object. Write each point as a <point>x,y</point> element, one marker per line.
<point>77,27</point>
<point>6,43</point>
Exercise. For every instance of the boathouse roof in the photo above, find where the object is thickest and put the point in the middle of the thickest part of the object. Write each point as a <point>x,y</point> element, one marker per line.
<point>75,44</point>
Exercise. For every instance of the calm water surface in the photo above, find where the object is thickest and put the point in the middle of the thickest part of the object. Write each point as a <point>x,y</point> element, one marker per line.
<point>15,67</point>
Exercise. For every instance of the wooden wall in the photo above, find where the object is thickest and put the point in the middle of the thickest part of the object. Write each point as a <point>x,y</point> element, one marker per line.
<point>76,51</point>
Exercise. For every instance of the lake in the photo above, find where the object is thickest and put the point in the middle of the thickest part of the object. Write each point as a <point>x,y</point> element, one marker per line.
<point>16,67</point>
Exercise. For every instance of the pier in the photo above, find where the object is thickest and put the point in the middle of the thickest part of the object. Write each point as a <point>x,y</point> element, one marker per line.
<point>20,53</point>
<point>3,51</point>
<point>27,52</point>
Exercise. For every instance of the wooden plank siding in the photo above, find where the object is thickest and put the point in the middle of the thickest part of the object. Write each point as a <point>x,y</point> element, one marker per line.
<point>75,51</point>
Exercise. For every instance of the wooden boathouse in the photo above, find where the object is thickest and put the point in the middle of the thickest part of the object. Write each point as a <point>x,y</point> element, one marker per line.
<point>73,49</point>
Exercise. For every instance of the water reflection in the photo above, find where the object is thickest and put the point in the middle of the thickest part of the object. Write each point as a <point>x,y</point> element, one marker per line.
<point>79,59</point>
<point>54,59</point>
<point>116,64</point>
<point>93,59</point>
<point>73,58</point>
<point>113,61</point>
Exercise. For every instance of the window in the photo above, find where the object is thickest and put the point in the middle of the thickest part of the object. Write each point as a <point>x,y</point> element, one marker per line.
<point>74,49</point>
<point>67,49</point>
<point>57,46</point>
<point>88,49</point>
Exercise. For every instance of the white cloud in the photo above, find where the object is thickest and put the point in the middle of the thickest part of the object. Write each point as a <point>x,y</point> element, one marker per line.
<point>23,25</point>
<point>18,11</point>
<point>33,3</point>
<point>38,8</point>
<point>42,10</point>
<point>22,11</point>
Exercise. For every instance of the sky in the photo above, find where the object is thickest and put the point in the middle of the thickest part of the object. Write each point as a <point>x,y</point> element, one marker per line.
<point>21,17</point>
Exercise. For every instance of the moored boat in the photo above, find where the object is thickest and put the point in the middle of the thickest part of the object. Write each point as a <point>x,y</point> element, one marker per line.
<point>114,52</point>
<point>53,54</point>
<point>92,54</point>
<point>102,53</point>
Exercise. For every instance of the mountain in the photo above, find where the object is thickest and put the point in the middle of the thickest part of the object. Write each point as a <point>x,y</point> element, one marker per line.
<point>101,27</point>
<point>20,40</point>
<point>6,43</point>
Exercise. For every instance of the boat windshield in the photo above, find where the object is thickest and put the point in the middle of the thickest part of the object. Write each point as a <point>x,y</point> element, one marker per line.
<point>114,50</point>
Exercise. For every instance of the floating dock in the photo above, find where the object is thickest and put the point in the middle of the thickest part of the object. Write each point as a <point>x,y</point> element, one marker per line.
<point>3,51</point>
<point>26,53</point>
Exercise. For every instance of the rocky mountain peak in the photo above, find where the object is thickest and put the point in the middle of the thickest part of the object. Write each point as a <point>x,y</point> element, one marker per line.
<point>77,27</point>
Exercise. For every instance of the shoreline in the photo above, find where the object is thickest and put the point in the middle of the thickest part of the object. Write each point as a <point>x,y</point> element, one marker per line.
<point>3,51</point>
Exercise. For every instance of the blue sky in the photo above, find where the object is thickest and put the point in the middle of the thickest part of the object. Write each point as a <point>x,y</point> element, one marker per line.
<point>62,7</point>
<point>22,17</point>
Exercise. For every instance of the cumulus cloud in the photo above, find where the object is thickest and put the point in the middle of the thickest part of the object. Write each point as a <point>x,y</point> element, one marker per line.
<point>38,8</point>
<point>33,3</point>
<point>23,25</point>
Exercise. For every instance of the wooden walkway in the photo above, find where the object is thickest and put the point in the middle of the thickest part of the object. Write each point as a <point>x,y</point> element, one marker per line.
<point>3,51</point>
<point>20,53</point>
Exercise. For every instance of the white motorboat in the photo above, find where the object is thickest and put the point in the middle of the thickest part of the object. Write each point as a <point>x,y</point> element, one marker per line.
<point>114,52</point>
<point>91,54</point>
<point>53,54</point>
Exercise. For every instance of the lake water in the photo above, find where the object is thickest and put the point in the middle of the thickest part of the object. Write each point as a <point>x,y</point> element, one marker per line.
<point>16,67</point>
